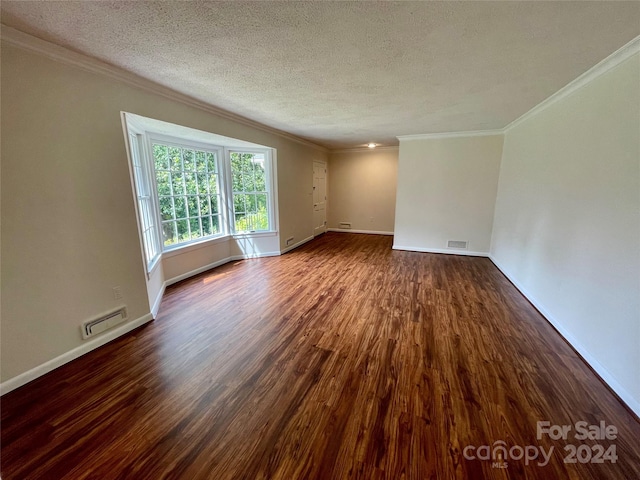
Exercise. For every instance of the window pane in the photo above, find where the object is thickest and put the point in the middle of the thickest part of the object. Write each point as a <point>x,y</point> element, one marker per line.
<point>175,160</point>
<point>204,205</point>
<point>249,191</point>
<point>262,215</point>
<point>215,203</point>
<point>161,157</point>
<point>134,149</point>
<point>261,178</point>
<point>239,203</point>
<point>180,206</point>
<point>163,180</point>
<point>190,182</point>
<point>195,227</point>
<point>236,172</point>
<point>248,185</point>
<point>142,204</point>
<point>139,176</point>
<point>192,206</point>
<point>169,233</point>
<point>188,158</point>
<point>246,158</point>
<point>211,162</point>
<point>251,203</point>
<point>215,224</point>
<point>183,230</point>
<point>201,162</point>
<point>249,219</point>
<point>213,183</point>
<point>176,181</point>
<point>166,208</point>
<point>241,222</point>
<point>206,226</point>
<point>202,182</point>
<point>261,202</point>
<point>148,243</point>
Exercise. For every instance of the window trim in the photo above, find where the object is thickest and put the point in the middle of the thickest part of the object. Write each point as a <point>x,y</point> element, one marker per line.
<point>223,164</point>
<point>150,263</point>
<point>271,191</point>
<point>187,144</point>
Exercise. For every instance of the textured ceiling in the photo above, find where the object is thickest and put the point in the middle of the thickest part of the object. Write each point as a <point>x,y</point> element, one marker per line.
<point>345,73</point>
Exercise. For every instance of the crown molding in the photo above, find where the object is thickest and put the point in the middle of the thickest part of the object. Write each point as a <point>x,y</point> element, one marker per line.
<point>431,136</point>
<point>64,55</point>
<point>613,60</point>
<point>387,148</point>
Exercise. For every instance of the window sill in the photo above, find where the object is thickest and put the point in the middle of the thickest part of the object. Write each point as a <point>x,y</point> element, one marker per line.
<point>270,233</point>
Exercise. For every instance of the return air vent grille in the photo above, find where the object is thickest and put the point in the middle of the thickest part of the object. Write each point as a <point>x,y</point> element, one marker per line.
<point>457,244</point>
<point>104,322</point>
<point>345,224</point>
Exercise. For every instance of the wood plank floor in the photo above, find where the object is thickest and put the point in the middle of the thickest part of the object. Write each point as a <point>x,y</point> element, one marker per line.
<point>342,359</point>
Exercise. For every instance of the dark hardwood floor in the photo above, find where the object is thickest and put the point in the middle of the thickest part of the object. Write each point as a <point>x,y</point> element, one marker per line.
<point>341,359</point>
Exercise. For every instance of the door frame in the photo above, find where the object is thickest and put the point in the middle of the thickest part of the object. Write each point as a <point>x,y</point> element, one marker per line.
<point>324,165</point>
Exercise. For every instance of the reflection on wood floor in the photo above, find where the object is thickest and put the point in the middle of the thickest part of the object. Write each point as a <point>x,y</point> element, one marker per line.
<point>341,359</point>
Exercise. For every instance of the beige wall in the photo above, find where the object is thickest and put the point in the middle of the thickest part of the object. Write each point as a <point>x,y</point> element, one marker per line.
<point>446,191</point>
<point>69,231</point>
<point>567,221</point>
<point>362,189</point>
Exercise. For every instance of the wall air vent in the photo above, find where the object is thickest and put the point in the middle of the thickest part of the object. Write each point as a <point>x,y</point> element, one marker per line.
<point>345,224</point>
<point>104,322</point>
<point>457,244</point>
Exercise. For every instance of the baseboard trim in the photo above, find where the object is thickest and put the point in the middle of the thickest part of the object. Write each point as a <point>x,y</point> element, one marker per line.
<point>368,232</point>
<point>156,305</point>
<point>71,355</point>
<point>606,377</point>
<point>441,250</point>
<point>296,245</point>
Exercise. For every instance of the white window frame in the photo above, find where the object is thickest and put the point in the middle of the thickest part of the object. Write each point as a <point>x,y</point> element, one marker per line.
<point>177,142</point>
<point>269,183</point>
<point>151,130</point>
<point>143,177</point>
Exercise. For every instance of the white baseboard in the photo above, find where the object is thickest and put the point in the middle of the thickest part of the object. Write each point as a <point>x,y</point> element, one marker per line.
<point>441,250</point>
<point>77,352</point>
<point>67,357</point>
<point>296,245</point>
<point>349,230</point>
<point>156,305</point>
<point>604,374</point>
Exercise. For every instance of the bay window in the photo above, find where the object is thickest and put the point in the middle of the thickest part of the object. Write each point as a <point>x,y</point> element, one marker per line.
<point>192,191</point>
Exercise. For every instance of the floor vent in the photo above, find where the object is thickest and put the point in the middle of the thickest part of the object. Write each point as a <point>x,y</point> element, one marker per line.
<point>457,244</point>
<point>105,322</point>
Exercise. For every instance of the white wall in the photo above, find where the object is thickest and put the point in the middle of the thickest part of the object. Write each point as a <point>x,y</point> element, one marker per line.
<point>446,191</point>
<point>69,232</point>
<point>362,189</point>
<point>567,220</point>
